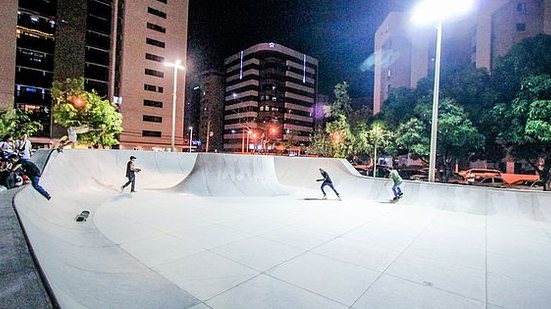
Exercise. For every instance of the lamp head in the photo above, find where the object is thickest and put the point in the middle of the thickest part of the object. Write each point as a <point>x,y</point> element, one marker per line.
<point>440,10</point>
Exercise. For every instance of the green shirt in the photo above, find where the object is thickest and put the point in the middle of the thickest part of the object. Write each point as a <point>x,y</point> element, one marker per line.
<point>395,177</point>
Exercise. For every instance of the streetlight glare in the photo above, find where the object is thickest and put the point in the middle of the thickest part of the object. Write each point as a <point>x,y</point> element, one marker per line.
<point>439,10</point>
<point>177,64</point>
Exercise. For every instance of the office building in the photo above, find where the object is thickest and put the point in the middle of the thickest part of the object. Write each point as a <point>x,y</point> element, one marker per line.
<point>269,98</point>
<point>118,46</point>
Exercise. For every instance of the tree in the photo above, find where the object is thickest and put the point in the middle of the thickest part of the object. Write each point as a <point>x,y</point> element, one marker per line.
<point>342,104</point>
<point>378,137</point>
<point>342,140</point>
<point>16,121</point>
<point>399,106</point>
<point>470,88</point>
<point>76,107</point>
<point>413,137</point>
<point>457,137</point>
<point>526,125</point>
<point>320,144</point>
<point>530,57</point>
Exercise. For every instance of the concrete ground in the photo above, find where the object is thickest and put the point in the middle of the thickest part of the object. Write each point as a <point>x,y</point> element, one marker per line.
<point>267,242</point>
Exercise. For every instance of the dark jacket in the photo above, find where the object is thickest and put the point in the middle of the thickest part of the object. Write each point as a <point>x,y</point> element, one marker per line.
<point>30,169</point>
<point>326,177</point>
<point>130,169</point>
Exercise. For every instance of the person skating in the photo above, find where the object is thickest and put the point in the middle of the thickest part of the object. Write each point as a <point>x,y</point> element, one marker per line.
<point>327,182</point>
<point>31,170</point>
<point>397,181</point>
<point>131,171</point>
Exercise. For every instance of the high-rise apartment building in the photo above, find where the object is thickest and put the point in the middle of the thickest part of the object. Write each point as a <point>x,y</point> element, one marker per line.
<point>404,53</point>
<point>210,129</point>
<point>118,46</point>
<point>153,32</point>
<point>269,97</point>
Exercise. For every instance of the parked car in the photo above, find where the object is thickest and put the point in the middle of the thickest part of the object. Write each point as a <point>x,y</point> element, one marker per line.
<point>453,178</point>
<point>493,181</point>
<point>526,185</point>
<point>480,173</point>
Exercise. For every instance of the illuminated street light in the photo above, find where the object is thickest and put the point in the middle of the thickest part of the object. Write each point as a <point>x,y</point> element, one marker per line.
<point>177,66</point>
<point>437,11</point>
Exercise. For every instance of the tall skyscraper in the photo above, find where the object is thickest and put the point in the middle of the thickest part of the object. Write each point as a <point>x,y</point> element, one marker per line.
<point>269,97</point>
<point>118,46</point>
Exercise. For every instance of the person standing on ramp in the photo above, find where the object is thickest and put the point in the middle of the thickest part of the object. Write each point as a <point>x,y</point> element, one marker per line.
<point>327,182</point>
<point>131,171</point>
<point>397,181</point>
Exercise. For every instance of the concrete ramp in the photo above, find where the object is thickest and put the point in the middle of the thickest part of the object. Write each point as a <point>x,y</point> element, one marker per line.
<point>208,228</point>
<point>84,268</point>
<point>232,175</point>
<point>302,172</point>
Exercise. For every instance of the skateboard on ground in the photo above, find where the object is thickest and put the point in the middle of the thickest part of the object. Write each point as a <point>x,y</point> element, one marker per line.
<point>83,216</point>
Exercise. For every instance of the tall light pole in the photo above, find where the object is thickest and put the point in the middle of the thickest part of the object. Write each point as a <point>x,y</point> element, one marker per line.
<point>190,137</point>
<point>177,66</point>
<point>438,11</point>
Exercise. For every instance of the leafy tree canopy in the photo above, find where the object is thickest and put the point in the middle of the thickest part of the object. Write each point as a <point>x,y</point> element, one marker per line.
<point>526,124</point>
<point>76,107</point>
<point>532,56</point>
<point>16,121</point>
<point>342,104</point>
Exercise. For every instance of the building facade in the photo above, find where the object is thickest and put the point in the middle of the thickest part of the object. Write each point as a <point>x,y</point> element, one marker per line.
<point>153,32</point>
<point>404,54</point>
<point>210,130</point>
<point>269,98</point>
<point>118,46</point>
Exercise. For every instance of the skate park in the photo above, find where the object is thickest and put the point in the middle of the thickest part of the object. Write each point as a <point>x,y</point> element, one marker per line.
<point>241,231</point>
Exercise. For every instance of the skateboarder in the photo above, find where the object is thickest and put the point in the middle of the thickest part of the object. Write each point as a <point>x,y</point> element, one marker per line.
<point>397,181</point>
<point>327,182</point>
<point>71,137</point>
<point>31,170</point>
<point>131,171</point>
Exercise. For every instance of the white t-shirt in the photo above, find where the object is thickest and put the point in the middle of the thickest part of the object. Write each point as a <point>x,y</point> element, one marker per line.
<point>24,148</point>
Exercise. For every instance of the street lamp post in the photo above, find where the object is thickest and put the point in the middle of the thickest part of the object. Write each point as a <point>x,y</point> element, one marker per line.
<point>438,11</point>
<point>435,97</point>
<point>177,66</point>
<point>190,137</point>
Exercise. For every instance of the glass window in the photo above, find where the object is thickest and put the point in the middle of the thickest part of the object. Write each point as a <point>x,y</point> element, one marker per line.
<point>152,103</point>
<point>155,42</point>
<point>149,118</point>
<point>154,58</point>
<point>154,73</point>
<point>156,27</point>
<point>156,12</point>
<point>151,133</point>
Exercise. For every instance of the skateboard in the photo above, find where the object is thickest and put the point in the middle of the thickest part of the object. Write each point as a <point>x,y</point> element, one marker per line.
<point>321,199</point>
<point>83,216</point>
<point>396,199</point>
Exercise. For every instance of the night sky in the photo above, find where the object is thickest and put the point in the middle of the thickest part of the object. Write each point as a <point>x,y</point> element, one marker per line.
<point>339,33</point>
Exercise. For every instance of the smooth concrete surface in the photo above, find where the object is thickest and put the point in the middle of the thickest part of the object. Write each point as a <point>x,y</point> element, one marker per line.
<point>20,282</point>
<point>232,231</point>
